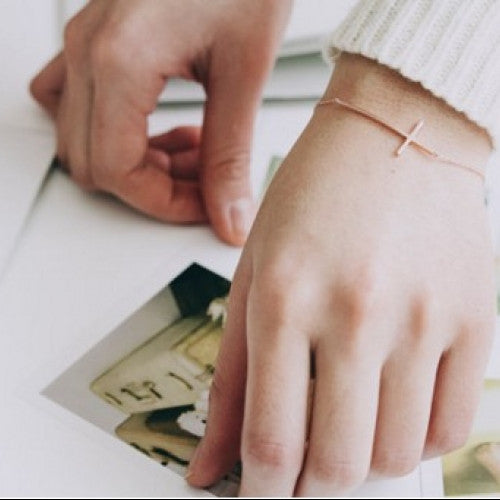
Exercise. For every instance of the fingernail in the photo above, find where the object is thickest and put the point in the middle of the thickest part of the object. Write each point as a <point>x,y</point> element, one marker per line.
<point>241,214</point>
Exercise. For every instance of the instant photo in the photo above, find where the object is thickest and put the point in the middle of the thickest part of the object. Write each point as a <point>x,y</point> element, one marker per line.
<point>154,396</point>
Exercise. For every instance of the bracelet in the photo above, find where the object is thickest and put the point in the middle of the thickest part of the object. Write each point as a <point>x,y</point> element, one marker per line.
<point>409,138</point>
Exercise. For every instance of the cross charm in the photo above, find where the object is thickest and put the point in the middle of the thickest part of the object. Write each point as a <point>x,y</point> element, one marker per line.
<point>409,138</point>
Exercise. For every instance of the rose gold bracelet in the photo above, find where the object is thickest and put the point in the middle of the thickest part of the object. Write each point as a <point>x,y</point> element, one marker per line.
<point>409,138</point>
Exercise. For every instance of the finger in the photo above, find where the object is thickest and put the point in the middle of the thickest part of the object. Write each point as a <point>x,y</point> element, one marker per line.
<point>47,86</point>
<point>458,388</point>
<point>186,165</point>
<point>343,420</point>
<point>220,448</point>
<point>407,387</point>
<point>158,158</point>
<point>152,191</point>
<point>118,146</point>
<point>274,426</point>
<point>122,101</point>
<point>177,139</point>
<point>232,101</point>
<point>180,148</point>
<point>182,165</point>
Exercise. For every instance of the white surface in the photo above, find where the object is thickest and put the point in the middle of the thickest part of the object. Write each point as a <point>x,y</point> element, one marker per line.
<point>27,39</point>
<point>22,170</point>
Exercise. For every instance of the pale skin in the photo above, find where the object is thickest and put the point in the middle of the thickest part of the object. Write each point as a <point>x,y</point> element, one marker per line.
<point>379,269</point>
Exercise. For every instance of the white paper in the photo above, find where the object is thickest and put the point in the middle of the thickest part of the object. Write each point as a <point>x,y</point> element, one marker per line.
<point>25,156</point>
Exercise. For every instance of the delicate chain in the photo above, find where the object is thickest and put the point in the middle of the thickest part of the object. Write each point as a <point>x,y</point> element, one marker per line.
<point>409,138</point>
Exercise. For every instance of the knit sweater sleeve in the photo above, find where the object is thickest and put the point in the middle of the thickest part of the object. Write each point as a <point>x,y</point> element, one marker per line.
<point>451,47</point>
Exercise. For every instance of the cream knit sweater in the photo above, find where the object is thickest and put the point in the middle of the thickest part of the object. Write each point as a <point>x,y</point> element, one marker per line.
<point>452,47</point>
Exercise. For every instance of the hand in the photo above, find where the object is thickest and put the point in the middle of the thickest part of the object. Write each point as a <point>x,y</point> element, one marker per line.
<point>379,270</point>
<point>100,90</point>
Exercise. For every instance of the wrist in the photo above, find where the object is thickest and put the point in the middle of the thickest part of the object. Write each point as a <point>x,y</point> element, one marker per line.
<point>401,102</point>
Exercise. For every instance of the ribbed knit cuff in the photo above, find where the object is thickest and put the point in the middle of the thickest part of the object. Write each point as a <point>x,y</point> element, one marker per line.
<point>451,47</point>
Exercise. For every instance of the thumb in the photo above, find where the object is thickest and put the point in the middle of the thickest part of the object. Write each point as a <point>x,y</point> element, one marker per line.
<point>233,97</point>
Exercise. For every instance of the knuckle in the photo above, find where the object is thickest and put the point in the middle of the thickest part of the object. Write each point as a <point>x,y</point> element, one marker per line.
<point>356,308</point>
<point>275,291</point>
<point>230,165</point>
<point>270,453</point>
<point>279,277</point>
<point>357,298</point>
<point>105,52</point>
<point>344,474</point>
<point>357,304</point>
<point>394,465</point>
<point>111,46</point>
